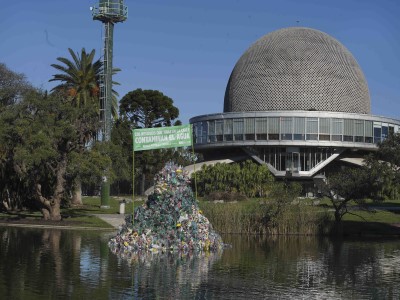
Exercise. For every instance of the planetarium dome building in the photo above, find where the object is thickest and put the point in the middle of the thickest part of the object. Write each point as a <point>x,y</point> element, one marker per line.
<point>296,101</point>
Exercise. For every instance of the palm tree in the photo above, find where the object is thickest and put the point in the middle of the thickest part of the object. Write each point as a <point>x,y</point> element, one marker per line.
<point>80,81</point>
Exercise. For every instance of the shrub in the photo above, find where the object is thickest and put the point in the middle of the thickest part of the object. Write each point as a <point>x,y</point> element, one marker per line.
<point>255,217</point>
<point>247,178</point>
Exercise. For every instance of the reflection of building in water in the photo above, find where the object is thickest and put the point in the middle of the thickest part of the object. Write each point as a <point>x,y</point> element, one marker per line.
<point>389,264</point>
<point>296,101</point>
<point>350,264</point>
<point>310,271</point>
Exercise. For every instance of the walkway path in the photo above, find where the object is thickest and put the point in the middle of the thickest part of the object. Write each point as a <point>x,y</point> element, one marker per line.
<point>114,219</point>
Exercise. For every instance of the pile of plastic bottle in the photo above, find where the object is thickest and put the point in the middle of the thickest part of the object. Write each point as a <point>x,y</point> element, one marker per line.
<point>169,221</point>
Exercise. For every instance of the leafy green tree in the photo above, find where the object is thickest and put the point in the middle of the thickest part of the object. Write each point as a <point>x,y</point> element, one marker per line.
<point>80,80</point>
<point>42,138</point>
<point>282,196</point>
<point>247,178</point>
<point>147,109</point>
<point>12,86</point>
<point>350,185</point>
<point>379,176</point>
<point>388,158</point>
<point>121,138</point>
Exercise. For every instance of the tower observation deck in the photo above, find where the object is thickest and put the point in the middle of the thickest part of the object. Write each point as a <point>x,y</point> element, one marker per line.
<point>108,12</point>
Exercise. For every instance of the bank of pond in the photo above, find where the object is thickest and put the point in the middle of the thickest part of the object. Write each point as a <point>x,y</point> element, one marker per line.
<point>303,217</point>
<point>252,216</point>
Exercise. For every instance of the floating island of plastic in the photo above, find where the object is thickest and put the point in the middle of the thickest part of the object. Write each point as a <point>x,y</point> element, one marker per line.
<point>169,222</point>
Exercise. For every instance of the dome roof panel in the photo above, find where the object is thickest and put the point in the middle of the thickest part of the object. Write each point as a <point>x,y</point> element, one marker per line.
<point>297,69</point>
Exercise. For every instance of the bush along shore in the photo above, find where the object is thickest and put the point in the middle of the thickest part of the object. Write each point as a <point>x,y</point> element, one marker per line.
<point>250,216</point>
<point>300,217</point>
<point>267,218</point>
<point>239,215</point>
<point>244,198</point>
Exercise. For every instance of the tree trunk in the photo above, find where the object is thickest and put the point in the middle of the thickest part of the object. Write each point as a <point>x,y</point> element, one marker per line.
<point>338,226</point>
<point>338,216</point>
<point>77,192</point>
<point>51,208</point>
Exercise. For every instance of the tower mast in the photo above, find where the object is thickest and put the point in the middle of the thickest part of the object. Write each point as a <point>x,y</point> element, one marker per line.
<point>108,12</point>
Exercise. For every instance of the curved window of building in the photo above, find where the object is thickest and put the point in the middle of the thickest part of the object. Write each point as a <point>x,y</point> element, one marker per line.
<point>377,132</point>
<point>226,130</point>
<point>369,132</point>
<point>196,133</point>
<point>238,129</point>
<point>312,129</point>
<point>286,128</point>
<point>219,130</point>
<point>273,128</point>
<point>359,131</point>
<point>211,132</point>
<point>385,130</point>
<point>200,132</point>
<point>249,129</point>
<point>261,129</point>
<point>299,129</point>
<point>337,129</point>
<point>324,129</point>
<point>348,130</point>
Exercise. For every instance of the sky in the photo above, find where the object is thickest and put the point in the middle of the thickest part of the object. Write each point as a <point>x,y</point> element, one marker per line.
<point>187,49</point>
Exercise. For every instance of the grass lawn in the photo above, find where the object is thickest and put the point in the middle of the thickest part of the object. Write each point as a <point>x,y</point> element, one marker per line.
<point>35,218</point>
<point>355,222</point>
<point>381,216</point>
<point>74,216</point>
<point>91,205</point>
<point>379,221</point>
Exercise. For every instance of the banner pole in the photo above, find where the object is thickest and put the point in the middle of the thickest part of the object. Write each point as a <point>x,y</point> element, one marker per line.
<point>133,184</point>
<point>194,165</point>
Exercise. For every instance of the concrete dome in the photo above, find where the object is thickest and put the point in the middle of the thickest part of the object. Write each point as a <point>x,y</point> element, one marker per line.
<point>297,69</point>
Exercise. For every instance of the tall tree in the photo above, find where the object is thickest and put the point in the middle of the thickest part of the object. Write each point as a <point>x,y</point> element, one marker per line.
<point>121,138</point>
<point>43,137</point>
<point>388,158</point>
<point>12,86</point>
<point>147,109</point>
<point>80,81</point>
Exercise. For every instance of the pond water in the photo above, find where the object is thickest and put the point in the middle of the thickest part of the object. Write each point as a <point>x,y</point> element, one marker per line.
<point>62,264</point>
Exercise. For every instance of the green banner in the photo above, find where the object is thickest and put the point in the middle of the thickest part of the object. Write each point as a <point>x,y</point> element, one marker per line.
<point>162,137</point>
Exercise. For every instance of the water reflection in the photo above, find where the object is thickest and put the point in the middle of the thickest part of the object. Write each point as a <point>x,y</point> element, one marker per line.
<point>30,260</point>
<point>172,276</point>
<point>37,264</point>
<point>307,267</point>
